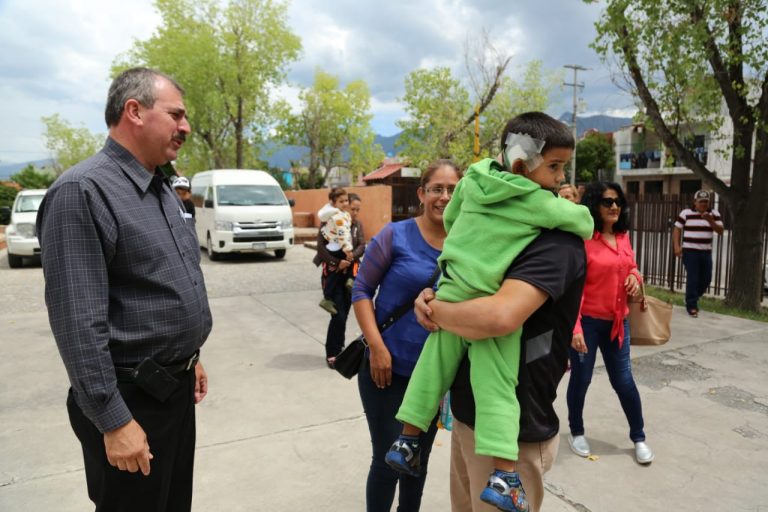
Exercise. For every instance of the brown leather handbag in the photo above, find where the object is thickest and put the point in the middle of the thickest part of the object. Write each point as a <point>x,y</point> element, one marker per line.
<point>649,320</point>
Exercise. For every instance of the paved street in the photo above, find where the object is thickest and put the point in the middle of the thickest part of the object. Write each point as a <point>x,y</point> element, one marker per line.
<point>280,432</point>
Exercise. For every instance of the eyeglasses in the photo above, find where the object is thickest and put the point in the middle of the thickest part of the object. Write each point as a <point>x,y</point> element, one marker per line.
<point>439,191</point>
<point>607,202</point>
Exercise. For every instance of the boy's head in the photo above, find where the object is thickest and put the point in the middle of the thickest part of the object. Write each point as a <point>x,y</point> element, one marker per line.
<point>556,152</point>
<point>339,198</point>
<point>182,188</point>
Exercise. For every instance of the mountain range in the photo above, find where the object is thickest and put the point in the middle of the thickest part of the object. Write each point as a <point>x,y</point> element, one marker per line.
<point>282,156</point>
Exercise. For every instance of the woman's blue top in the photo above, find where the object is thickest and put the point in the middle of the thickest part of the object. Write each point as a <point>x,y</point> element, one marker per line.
<point>399,263</point>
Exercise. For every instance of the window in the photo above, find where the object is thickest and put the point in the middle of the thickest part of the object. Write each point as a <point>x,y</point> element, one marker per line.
<point>653,188</point>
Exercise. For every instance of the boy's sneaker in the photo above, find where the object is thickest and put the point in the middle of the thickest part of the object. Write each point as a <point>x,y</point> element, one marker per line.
<point>404,455</point>
<point>505,492</point>
<point>350,283</point>
<point>329,306</point>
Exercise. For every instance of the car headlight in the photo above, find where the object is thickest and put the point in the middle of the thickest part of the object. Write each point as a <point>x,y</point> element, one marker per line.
<point>222,225</point>
<point>25,230</point>
<point>286,224</point>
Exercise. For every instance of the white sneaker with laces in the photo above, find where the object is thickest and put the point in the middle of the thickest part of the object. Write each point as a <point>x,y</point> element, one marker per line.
<point>643,453</point>
<point>579,445</point>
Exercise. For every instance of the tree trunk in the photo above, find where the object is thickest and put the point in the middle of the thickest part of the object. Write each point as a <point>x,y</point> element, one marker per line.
<point>239,135</point>
<point>746,270</point>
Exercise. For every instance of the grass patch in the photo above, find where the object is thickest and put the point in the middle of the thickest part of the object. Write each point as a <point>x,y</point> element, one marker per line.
<point>707,304</point>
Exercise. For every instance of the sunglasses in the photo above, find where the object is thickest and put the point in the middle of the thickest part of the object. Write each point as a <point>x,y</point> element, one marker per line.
<point>610,201</point>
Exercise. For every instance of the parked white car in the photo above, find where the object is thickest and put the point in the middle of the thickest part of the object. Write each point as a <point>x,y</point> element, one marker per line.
<point>21,235</point>
<point>241,211</point>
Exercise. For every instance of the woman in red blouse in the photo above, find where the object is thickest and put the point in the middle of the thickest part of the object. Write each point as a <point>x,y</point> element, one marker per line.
<point>611,276</point>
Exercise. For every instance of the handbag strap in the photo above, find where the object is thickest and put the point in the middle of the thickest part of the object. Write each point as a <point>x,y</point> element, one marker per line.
<point>404,308</point>
<point>643,303</point>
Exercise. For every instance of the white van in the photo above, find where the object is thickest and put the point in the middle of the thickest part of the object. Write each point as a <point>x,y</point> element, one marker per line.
<point>241,211</point>
<point>21,234</point>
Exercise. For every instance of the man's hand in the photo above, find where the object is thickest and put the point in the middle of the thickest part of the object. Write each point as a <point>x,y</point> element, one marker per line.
<point>201,383</point>
<point>343,265</point>
<point>423,311</point>
<point>578,344</point>
<point>127,448</point>
<point>678,252</point>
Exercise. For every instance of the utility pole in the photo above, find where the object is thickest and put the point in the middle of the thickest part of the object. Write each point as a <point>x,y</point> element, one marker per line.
<point>576,87</point>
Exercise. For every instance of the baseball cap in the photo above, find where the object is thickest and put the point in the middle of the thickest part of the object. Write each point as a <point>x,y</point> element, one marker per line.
<point>700,195</point>
<point>182,182</point>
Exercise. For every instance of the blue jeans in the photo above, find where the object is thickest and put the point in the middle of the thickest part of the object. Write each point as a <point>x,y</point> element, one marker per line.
<point>698,272</point>
<point>380,407</point>
<point>597,333</point>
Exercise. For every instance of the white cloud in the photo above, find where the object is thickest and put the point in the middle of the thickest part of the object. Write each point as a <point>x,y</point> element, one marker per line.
<point>56,56</point>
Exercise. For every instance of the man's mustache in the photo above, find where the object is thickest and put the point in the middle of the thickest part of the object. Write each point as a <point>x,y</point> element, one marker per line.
<point>180,137</point>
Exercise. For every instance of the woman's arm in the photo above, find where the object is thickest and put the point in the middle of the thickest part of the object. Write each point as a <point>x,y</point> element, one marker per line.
<point>359,242</point>
<point>322,251</point>
<point>381,360</point>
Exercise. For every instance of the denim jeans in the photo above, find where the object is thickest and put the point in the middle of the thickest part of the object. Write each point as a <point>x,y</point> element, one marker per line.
<point>597,333</point>
<point>334,339</point>
<point>380,407</point>
<point>698,274</point>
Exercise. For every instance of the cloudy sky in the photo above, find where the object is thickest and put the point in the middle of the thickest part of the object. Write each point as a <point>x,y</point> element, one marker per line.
<point>55,55</point>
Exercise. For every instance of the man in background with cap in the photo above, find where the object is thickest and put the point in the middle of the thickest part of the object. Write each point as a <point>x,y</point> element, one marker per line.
<point>184,191</point>
<point>695,228</point>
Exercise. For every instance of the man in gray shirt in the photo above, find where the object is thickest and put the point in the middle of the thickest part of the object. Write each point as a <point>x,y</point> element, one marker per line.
<point>127,302</point>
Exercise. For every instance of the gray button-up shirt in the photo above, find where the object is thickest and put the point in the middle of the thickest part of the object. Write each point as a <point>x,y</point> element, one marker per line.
<point>122,276</point>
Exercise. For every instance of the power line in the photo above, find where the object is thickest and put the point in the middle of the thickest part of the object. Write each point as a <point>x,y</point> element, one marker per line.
<point>576,87</point>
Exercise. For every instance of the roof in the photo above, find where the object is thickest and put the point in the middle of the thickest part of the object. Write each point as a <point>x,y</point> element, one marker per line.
<point>384,171</point>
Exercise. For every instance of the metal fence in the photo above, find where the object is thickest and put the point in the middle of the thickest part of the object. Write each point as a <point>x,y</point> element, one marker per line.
<point>651,222</point>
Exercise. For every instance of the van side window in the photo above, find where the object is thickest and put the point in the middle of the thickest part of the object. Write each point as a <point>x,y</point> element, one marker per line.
<point>197,195</point>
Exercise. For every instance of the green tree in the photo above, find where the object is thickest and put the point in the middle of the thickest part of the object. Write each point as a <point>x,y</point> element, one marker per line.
<point>29,177</point>
<point>441,112</point>
<point>705,64</point>
<point>594,153</point>
<point>69,145</point>
<point>229,57</point>
<point>335,124</point>
<point>7,195</point>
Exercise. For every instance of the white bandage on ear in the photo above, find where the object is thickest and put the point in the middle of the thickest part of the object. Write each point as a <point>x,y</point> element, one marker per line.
<point>520,146</point>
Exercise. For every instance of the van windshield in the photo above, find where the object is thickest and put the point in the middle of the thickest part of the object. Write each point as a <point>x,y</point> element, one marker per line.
<point>249,195</point>
<point>29,203</point>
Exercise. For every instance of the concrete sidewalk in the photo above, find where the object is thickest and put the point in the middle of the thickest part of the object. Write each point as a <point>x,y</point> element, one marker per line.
<point>280,432</point>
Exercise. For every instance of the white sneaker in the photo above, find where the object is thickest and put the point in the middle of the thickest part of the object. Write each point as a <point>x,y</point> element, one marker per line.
<point>579,445</point>
<point>643,453</point>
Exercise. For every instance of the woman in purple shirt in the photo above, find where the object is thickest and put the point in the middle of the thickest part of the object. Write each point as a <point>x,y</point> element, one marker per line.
<point>399,262</point>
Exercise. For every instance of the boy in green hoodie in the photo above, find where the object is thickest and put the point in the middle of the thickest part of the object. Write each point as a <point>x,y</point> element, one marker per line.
<point>496,210</point>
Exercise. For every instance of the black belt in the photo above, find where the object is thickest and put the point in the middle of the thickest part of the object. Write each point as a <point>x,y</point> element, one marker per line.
<point>127,374</point>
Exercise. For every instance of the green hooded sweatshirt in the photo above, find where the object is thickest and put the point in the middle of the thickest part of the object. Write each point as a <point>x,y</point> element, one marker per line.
<point>492,216</point>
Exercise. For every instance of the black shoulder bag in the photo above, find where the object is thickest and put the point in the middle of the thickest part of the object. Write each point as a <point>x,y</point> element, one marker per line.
<point>349,361</point>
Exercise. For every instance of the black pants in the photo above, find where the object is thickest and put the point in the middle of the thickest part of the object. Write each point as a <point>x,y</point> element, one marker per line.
<point>333,279</point>
<point>337,327</point>
<point>170,429</point>
<point>380,406</point>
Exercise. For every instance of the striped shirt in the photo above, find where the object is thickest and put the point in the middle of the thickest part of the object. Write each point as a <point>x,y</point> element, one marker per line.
<point>697,232</point>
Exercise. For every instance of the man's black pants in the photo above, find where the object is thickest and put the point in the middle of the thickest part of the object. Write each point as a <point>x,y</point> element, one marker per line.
<point>170,429</point>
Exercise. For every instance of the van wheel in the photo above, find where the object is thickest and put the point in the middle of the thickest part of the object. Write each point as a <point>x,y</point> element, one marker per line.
<point>212,255</point>
<point>279,253</point>
<point>15,261</point>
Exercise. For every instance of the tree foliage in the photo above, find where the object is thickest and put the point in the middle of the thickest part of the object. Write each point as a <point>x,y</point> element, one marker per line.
<point>439,106</point>
<point>335,124</point>
<point>29,177</point>
<point>594,153</point>
<point>703,66</point>
<point>69,145</point>
<point>229,57</point>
